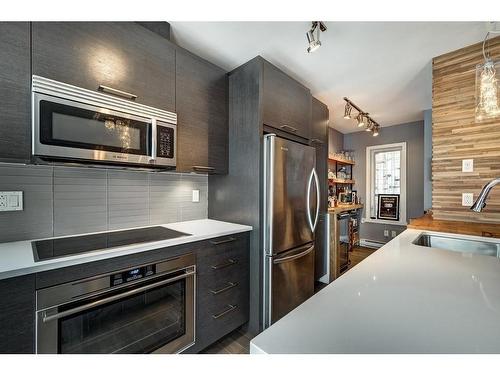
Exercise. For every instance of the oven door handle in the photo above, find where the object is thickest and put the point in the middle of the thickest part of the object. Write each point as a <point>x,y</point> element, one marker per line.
<point>48,318</point>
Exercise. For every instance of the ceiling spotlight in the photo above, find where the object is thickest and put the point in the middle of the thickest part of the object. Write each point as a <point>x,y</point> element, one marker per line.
<point>369,125</point>
<point>347,111</point>
<point>375,131</point>
<point>361,120</point>
<point>313,40</point>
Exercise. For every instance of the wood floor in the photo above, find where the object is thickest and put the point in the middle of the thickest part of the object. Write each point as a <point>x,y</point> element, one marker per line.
<point>238,342</point>
<point>358,254</point>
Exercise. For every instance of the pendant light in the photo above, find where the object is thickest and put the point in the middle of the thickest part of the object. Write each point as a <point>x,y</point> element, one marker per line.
<point>487,86</point>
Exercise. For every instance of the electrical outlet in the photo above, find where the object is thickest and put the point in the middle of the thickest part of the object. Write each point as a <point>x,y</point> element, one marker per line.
<point>468,165</point>
<point>196,196</point>
<point>467,199</point>
<point>386,233</point>
<point>11,200</point>
<point>393,233</point>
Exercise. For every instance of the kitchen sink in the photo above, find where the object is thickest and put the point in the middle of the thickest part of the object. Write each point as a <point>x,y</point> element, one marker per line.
<point>462,245</point>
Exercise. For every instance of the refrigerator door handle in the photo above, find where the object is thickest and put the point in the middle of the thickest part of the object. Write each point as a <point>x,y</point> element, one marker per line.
<point>308,201</point>
<point>295,256</point>
<point>316,180</point>
<point>312,224</point>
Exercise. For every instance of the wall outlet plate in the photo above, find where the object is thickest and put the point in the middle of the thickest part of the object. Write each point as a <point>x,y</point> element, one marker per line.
<point>386,233</point>
<point>393,233</point>
<point>467,199</point>
<point>196,196</point>
<point>468,165</point>
<point>11,200</point>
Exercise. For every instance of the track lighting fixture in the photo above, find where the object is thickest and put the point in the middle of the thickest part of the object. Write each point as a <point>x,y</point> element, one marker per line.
<point>313,40</point>
<point>362,118</point>
<point>347,111</point>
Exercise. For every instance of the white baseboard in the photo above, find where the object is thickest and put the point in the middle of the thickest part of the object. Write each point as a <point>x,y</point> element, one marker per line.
<point>371,243</point>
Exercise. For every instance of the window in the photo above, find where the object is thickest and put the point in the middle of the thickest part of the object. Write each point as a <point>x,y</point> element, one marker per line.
<point>385,174</point>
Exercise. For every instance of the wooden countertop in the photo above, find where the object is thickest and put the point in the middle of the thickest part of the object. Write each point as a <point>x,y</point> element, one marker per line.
<point>427,222</point>
<point>345,207</point>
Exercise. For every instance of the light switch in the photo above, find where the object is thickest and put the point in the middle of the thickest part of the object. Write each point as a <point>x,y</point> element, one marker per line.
<point>468,165</point>
<point>386,233</point>
<point>11,200</point>
<point>393,233</point>
<point>196,196</point>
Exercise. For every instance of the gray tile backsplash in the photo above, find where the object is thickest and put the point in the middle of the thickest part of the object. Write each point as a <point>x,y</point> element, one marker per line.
<point>71,200</point>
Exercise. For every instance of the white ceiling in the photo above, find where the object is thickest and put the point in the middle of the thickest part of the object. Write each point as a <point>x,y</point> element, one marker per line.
<point>383,67</point>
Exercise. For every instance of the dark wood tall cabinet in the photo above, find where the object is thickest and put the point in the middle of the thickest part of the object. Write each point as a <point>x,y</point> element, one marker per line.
<point>123,55</point>
<point>261,99</point>
<point>202,115</point>
<point>15,92</point>
<point>319,139</point>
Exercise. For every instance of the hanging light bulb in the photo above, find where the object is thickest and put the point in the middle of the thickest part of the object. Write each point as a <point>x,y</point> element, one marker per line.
<point>487,90</point>
<point>347,111</point>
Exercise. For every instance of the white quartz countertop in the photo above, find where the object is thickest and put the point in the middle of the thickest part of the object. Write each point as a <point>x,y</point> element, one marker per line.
<point>403,298</point>
<point>16,258</point>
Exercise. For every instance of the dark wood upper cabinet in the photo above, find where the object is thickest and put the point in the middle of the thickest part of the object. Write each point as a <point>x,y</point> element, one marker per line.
<point>202,115</point>
<point>15,91</point>
<point>286,103</point>
<point>123,55</point>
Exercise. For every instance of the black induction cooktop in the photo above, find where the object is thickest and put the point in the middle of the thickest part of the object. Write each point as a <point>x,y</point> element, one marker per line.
<point>63,247</point>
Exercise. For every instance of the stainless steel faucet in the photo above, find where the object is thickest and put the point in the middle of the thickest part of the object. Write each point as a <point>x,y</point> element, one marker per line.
<point>480,202</point>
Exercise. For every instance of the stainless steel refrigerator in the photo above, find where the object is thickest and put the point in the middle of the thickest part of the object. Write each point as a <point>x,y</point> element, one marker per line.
<point>291,210</point>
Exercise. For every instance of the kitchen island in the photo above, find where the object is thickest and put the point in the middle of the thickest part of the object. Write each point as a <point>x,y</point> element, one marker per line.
<point>404,298</point>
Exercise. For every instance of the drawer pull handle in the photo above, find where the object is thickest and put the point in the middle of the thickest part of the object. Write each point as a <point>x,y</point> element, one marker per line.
<point>229,262</point>
<point>318,141</point>
<point>230,285</point>
<point>290,128</point>
<point>123,94</point>
<point>203,169</point>
<point>222,313</point>
<point>220,242</point>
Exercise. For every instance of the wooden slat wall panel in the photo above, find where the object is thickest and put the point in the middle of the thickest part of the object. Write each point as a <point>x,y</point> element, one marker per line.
<point>456,136</point>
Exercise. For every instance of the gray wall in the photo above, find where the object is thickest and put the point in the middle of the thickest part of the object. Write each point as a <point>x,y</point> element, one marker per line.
<point>428,159</point>
<point>411,133</point>
<point>66,200</point>
<point>335,141</point>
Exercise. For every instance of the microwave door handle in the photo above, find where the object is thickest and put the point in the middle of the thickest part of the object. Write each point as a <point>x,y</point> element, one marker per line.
<point>48,318</point>
<point>154,135</point>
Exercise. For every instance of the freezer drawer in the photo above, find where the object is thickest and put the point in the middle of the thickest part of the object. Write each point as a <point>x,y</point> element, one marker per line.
<point>292,280</point>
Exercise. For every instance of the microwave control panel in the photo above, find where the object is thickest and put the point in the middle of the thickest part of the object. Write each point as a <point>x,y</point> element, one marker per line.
<point>164,142</point>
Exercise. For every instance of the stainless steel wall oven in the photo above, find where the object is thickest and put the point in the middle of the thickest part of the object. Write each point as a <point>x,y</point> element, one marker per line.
<point>145,309</point>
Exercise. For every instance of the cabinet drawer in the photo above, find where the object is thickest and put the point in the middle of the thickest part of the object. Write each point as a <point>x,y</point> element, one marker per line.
<point>219,284</point>
<point>221,314</point>
<point>222,256</point>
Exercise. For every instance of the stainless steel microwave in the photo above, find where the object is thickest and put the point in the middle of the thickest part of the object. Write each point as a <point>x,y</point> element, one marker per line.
<point>77,124</point>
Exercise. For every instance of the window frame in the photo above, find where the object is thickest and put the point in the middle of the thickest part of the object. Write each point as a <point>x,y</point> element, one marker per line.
<point>370,174</point>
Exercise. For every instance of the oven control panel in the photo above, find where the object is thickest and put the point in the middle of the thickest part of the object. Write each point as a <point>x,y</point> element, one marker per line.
<point>132,274</point>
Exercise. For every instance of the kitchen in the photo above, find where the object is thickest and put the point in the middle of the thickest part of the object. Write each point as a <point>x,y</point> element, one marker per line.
<point>163,193</point>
